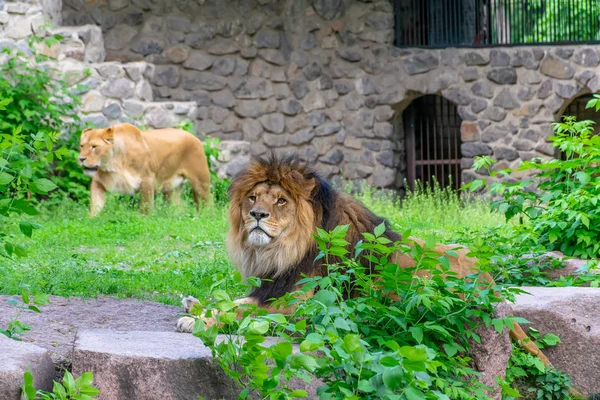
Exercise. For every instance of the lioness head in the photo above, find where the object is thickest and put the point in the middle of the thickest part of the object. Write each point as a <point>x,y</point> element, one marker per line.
<point>95,149</point>
<point>271,215</point>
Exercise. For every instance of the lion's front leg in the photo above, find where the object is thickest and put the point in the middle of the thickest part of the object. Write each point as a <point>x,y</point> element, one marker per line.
<point>147,190</point>
<point>97,198</point>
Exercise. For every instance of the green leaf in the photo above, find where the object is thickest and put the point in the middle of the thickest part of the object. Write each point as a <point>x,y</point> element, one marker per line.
<point>413,393</point>
<point>84,380</point>
<point>379,229</point>
<point>28,389</point>
<point>341,323</point>
<point>351,342</point>
<point>42,186</point>
<point>60,391</point>
<point>5,178</point>
<point>551,339</point>
<point>298,394</point>
<point>414,353</point>
<point>417,333</point>
<point>69,383</point>
<point>304,361</point>
<point>393,378</point>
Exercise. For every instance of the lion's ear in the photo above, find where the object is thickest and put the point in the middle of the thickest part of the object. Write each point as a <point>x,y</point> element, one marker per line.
<point>109,135</point>
<point>306,185</point>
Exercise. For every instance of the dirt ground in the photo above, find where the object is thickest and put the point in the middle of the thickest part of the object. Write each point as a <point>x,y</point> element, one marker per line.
<point>56,327</point>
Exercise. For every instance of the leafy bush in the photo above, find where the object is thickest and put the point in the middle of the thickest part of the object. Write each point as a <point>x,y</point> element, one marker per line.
<point>70,389</point>
<point>558,206</point>
<point>368,346</point>
<point>528,378</point>
<point>29,303</point>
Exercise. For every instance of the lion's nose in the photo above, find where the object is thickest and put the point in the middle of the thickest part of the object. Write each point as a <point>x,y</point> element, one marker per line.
<point>82,159</point>
<point>259,214</point>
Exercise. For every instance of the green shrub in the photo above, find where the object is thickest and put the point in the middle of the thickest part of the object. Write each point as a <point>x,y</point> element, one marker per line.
<point>70,389</point>
<point>369,346</point>
<point>558,206</point>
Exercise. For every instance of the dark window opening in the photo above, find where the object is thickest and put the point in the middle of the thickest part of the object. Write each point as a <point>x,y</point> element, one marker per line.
<point>432,142</point>
<point>577,109</point>
<point>471,23</point>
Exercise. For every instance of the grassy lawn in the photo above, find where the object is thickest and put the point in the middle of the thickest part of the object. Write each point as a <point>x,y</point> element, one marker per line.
<point>178,250</point>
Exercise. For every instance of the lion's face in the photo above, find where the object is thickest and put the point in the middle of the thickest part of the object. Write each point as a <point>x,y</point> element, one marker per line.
<point>268,212</point>
<point>95,149</point>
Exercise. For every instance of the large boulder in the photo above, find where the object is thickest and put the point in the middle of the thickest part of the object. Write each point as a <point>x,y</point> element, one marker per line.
<point>150,366</point>
<point>15,358</point>
<point>572,314</point>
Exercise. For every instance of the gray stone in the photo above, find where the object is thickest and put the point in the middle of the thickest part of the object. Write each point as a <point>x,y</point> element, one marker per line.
<point>325,83</point>
<point>343,87</point>
<point>329,9</point>
<point>253,130</point>
<point>525,93</point>
<point>465,114</point>
<point>273,122</point>
<point>273,140</point>
<point>290,106</point>
<point>192,80</point>
<point>473,149</point>
<point>158,357</point>
<point>221,47</point>
<point>351,54</point>
<point>585,76</point>
<point>119,37</point>
<point>564,53</point>
<point>458,96</point>
<point>308,42</point>
<point>545,89</point>
<point>521,57</point>
<point>254,88</point>
<point>198,61</point>
<point>383,176</point>
<point>312,71</point>
<point>566,90</point>
<point>302,136</point>
<point>299,58</point>
<point>557,68</point>
<point>475,58</point>
<point>316,118</point>
<point>333,156</point>
<point>530,134</point>
<point>313,101</point>
<point>505,153</point>
<point>546,148</point>
<point>201,98</point>
<point>507,100</point>
<point>112,111</point>
<point>267,38</point>
<point>420,63</point>
<point>223,66</point>
<point>503,76</point>
<point>353,101</point>
<point>494,133</point>
<point>248,108</point>
<point>146,45</point>
<point>166,75</point>
<point>273,56</point>
<point>554,103</point>
<point>299,88</point>
<point>499,58</point>
<point>470,74</point>
<point>328,129</point>
<point>365,86</point>
<point>133,108</point>
<point>383,130</point>
<point>483,89</point>
<point>223,98</point>
<point>179,23</point>
<point>587,57</point>
<point>523,145</point>
<point>568,312</point>
<point>119,88</point>
<point>386,158</point>
<point>478,105</point>
<point>95,120</point>
<point>17,357</point>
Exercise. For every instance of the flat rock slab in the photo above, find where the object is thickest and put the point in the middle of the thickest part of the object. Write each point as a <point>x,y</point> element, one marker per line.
<point>150,366</point>
<point>56,327</point>
<point>15,358</point>
<point>572,313</point>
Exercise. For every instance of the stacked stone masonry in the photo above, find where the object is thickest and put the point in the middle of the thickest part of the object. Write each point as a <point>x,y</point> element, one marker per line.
<point>320,78</point>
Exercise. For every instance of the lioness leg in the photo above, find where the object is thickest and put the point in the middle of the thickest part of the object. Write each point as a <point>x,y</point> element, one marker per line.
<point>201,190</point>
<point>173,196</point>
<point>147,191</point>
<point>97,198</point>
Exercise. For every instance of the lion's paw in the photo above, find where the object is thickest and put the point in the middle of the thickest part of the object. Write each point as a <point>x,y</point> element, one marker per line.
<point>186,324</point>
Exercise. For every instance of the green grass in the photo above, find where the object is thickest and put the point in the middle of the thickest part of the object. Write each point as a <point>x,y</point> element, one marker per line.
<point>180,251</point>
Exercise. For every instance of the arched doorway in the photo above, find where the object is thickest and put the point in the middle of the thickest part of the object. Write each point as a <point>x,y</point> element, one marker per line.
<point>577,108</point>
<point>432,142</point>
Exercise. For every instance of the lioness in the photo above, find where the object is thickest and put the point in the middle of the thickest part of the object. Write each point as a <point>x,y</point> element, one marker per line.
<point>275,208</point>
<point>122,159</point>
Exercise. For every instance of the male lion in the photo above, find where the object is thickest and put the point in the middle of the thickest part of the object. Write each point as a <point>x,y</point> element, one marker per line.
<point>125,160</point>
<point>276,206</point>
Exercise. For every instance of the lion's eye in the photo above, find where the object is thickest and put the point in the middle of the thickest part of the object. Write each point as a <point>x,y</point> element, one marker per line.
<point>281,201</point>
<point>93,147</point>
<point>252,198</point>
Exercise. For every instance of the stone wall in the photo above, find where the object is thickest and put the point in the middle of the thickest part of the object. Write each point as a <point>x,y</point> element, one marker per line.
<point>111,92</point>
<point>321,78</point>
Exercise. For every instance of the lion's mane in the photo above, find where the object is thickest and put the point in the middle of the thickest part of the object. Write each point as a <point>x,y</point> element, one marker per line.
<point>318,205</point>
